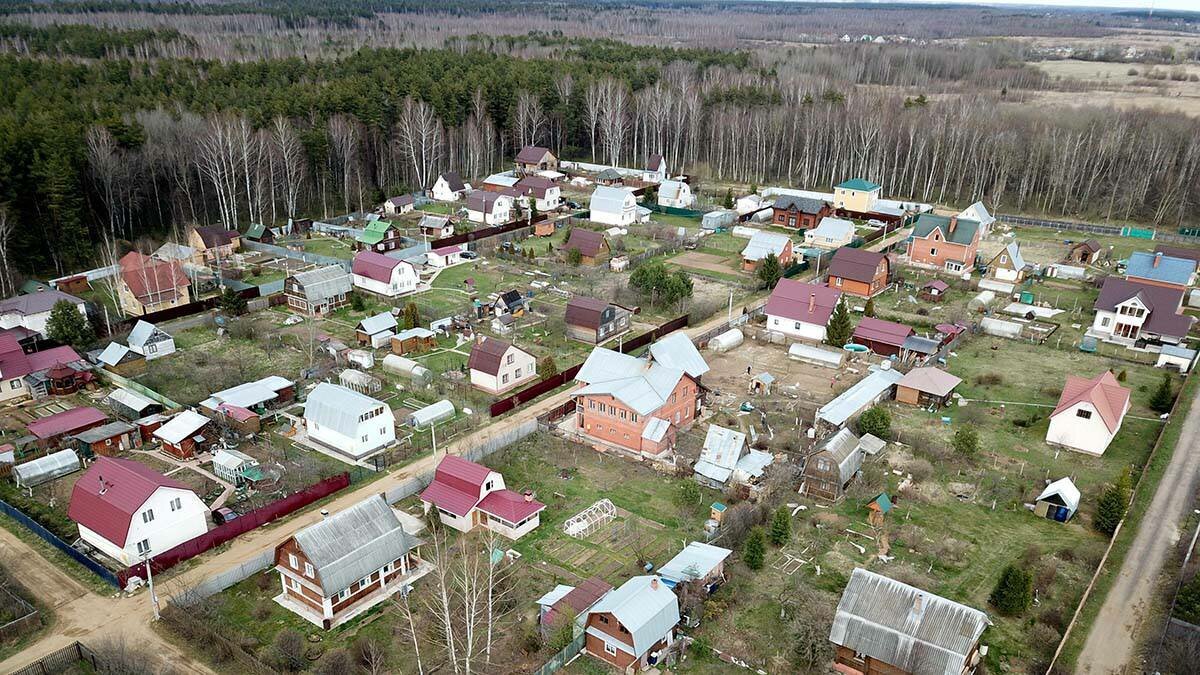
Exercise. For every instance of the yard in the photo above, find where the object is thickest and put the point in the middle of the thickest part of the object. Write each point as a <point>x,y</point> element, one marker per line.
<point>320,244</point>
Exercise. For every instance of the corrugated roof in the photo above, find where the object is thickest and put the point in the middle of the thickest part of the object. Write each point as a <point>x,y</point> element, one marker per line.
<point>353,543</point>
<point>104,431</point>
<point>141,333</point>
<point>339,408</point>
<point>324,283</point>
<point>610,199</point>
<point>454,181</point>
<point>764,243</point>
<point>754,463</point>
<point>905,627</point>
<point>855,264</point>
<point>131,399</point>
<point>884,332</point>
<point>114,354</point>
<point>249,394</point>
<point>66,422</point>
<point>964,229</point>
<point>858,184</point>
<point>111,491</point>
<point>648,613</point>
<point>720,454</point>
<point>532,154</point>
<point>374,265</point>
<point>671,189</point>
<point>642,385</point>
<point>854,399</point>
<point>832,228</point>
<point>584,311</point>
<point>457,484</point>
<point>550,597</point>
<point>184,425</point>
<point>36,303</point>
<point>589,242</point>
<point>930,380</point>
<point>509,505</point>
<point>793,300</point>
<point>487,355</point>
<point>678,351</point>
<point>1103,392</point>
<point>696,561</point>
<point>656,429</point>
<point>843,447</point>
<point>977,212</point>
<point>1162,302</point>
<point>383,321</point>
<point>1160,267</point>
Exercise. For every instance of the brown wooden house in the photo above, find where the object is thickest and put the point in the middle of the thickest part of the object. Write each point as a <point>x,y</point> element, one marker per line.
<point>835,464</point>
<point>533,158</point>
<point>595,321</point>
<point>414,341</point>
<point>591,244</point>
<point>859,272</point>
<point>1084,252</point>
<point>108,439</point>
<point>631,627</point>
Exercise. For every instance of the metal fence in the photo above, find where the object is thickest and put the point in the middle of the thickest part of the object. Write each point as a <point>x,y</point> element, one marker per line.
<point>63,660</point>
<point>483,233</point>
<point>53,539</point>
<point>560,659</point>
<point>218,582</point>
<point>303,256</point>
<point>1110,230</point>
<point>26,616</point>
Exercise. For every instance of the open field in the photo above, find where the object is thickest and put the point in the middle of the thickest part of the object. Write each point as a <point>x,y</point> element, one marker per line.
<point>707,262</point>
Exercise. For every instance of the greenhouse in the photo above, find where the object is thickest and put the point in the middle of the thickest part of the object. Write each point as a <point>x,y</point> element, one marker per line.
<point>432,414</point>
<point>46,469</point>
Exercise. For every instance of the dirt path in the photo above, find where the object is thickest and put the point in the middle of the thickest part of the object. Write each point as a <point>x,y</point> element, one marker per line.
<point>1111,645</point>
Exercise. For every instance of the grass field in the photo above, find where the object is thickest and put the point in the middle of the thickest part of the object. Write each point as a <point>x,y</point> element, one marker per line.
<point>329,246</point>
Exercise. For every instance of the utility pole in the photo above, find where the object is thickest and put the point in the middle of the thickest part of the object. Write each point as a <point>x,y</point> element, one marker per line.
<point>150,580</point>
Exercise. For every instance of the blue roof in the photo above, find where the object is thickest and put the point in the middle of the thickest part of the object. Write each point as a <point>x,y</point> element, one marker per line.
<point>1170,270</point>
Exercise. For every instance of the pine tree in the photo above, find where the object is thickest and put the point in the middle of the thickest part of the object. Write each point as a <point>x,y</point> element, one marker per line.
<point>729,199</point>
<point>232,302</point>
<point>966,441</point>
<point>1164,397</point>
<point>1113,502</point>
<point>411,316</point>
<point>840,328</point>
<point>781,527</point>
<point>68,326</point>
<point>754,550</point>
<point>877,422</point>
<point>869,310</point>
<point>1014,591</point>
<point>769,271</point>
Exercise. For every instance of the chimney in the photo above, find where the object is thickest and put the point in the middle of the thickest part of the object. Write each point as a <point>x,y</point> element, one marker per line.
<point>654,583</point>
<point>953,224</point>
<point>812,302</point>
<point>324,514</point>
<point>918,605</point>
<point>1157,258</point>
<point>528,496</point>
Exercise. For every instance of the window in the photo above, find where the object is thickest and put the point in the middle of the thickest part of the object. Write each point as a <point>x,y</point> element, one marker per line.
<point>1083,414</point>
<point>603,618</point>
<point>632,417</point>
<point>308,570</point>
<point>1003,258</point>
<point>591,404</point>
<point>622,414</point>
<point>15,384</point>
<point>364,438</point>
<point>148,516</point>
<point>488,486</point>
<point>151,348</point>
<point>509,360</point>
<point>796,325</point>
<point>295,583</point>
<point>143,546</point>
<point>1104,322</point>
<point>837,281</point>
<point>517,374</point>
<point>933,252</point>
<point>344,594</point>
<point>176,504</point>
<point>292,561</point>
<point>610,649</point>
<point>504,379</point>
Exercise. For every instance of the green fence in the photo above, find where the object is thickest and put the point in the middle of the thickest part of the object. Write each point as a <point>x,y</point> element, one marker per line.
<point>560,659</point>
<point>675,211</point>
<point>140,388</point>
<point>1137,233</point>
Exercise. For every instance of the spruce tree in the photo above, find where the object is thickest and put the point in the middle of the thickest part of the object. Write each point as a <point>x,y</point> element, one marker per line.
<point>869,310</point>
<point>1113,502</point>
<point>966,441</point>
<point>1163,397</point>
<point>68,326</point>
<point>781,527</point>
<point>1014,591</point>
<point>754,550</point>
<point>840,328</point>
<point>769,271</point>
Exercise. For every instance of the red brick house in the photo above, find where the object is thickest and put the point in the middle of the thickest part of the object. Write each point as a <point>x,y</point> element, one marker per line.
<point>799,212</point>
<point>944,242</point>
<point>632,626</point>
<point>857,272</point>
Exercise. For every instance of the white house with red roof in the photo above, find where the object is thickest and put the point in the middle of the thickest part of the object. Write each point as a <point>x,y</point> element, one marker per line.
<point>1089,413</point>
<point>800,310</point>
<point>445,256</point>
<point>469,495</point>
<point>378,273</point>
<point>24,374</point>
<point>127,510</point>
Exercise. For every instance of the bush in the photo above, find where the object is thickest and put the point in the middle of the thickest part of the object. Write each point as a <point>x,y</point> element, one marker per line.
<point>1187,603</point>
<point>877,422</point>
<point>1014,591</point>
<point>336,662</point>
<point>920,469</point>
<point>754,550</point>
<point>289,651</point>
<point>989,379</point>
<point>966,441</point>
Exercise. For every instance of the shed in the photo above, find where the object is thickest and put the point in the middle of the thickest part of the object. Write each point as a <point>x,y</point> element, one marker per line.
<point>1059,501</point>
<point>926,387</point>
<point>719,456</point>
<point>817,355</point>
<point>432,414</point>
<point>181,436</point>
<point>108,439</point>
<point>934,290</point>
<point>761,384</point>
<point>866,392</point>
<point>45,469</point>
<point>413,340</point>
<point>130,405</point>
<point>718,220</point>
<point>885,338</point>
<point>879,507</point>
<point>1176,356</point>
<point>697,562</point>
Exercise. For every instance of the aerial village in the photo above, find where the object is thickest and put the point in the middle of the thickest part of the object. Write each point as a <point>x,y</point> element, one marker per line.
<point>595,418</point>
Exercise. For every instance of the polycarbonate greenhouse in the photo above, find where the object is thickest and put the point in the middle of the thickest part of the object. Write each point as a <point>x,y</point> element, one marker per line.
<point>46,469</point>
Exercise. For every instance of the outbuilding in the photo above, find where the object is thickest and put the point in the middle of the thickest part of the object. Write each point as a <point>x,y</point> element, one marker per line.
<point>108,439</point>
<point>885,338</point>
<point>182,436</point>
<point>926,387</point>
<point>376,330</point>
<point>1059,501</point>
<point>414,341</point>
<point>150,341</point>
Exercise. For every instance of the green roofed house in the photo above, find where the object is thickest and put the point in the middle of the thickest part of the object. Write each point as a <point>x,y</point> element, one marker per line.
<point>856,195</point>
<point>944,242</point>
<point>380,236</point>
<point>260,233</point>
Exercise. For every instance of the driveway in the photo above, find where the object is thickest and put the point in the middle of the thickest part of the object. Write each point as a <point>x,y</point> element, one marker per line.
<point>1111,647</point>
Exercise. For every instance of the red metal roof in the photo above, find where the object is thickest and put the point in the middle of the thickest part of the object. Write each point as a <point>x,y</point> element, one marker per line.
<point>14,362</point>
<point>1105,394</point>
<point>883,332</point>
<point>153,281</point>
<point>69,421</point>
<point>110,492</point>
<point>799,301</point>
<point>456,485</point>
<point>855,264</point>
<point>487,355</point>
<point>374,265</point>
<point>589,242</point>
<point>532,154</point>
<point>510,506</point>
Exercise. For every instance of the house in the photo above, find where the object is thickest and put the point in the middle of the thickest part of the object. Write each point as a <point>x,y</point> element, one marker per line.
<point>183,436</point>
<point>699,562</point>
<point>1089,413</point>
<point>799,213</point>
<point>656,169</point>
<point>800,310</point>
<point>829,470</point>
<point>944,242</point>
<point>675,194</point>
<point>631,626</point>
<point>119,359</point>
<point>150,341</point>
<point>51,431</point>
<point>414,341</point>
<point>830,234</point>
<point>858,272</point>
<point>591,245</point>
<point>383,275</point>
<point>236,468</point>
<point>1084,252</point>
<point>489,208</point>
<point>725,460</point>
<point>397,206</point>
<point>610,176</point>
<point>214,243</point>
<point>499,182</point>
<point>1009,264</point>
<point>634,404</point>
<point>595,321</point>
<point>320,291</point>
<point>380,236</point>
<point>107,439</point>
<point>147,285</point>
<point>678,351</point>
<point>571,601</point>
<point>613,206</point>
<point>532,159</point>
<point>260,233</point>
<point>926,387</point>
<point>1059,501</point>
<point>376,330</point>
<point>497,366</point>
<point>857,196</point>
<point>445,256</point>
<point>509,302</point>
<point>351,423</point>
<point>31,311</point>
<point>130,512</point>
<point>130,405</point>
<point>763,244</point>
<point>1176,357</point>
<point>437,227</point>
<point>934,290</point>
<point>347,563</point>
<point>262,395</point>
<point>546,194</point>
<point>449,187</point>
<point>979,213</point>
<point>885,338</point>
<point>23,374</point>
<point>885,626</point>
<point>1172,251</point>
<point>1133,313</point>
<point>469,495</point>
<point>1158,269</point>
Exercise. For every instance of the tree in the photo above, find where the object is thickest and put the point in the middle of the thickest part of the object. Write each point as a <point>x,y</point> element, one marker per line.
<point>357,303</point>
<point>533,210</point>
<point>1187,603</point>
<point>231,302</point>
<point>68,326</point>
<point>288,650</point>
<point>574,257</point>
<point>840,328</point>
<point>966,441</point>
<point>781,527</point>
<point>1164,396</point>
<point>754,550</point>
<point>1014,591</point>
<point>1113,502</point>
<point>650,196</point>
<point>547,368</point>
<point>688,493</point>
<point>728,203</point>
<point>876,421</point>
<point>411,315</point>
<point>653,279</point>
<point>769,271</point>
<point>869,310</point>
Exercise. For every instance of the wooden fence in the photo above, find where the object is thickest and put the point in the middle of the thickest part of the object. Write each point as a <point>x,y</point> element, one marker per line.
<point>68,658</point>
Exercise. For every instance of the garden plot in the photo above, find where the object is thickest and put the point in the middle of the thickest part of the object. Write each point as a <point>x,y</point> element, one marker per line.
<point>730,373</point>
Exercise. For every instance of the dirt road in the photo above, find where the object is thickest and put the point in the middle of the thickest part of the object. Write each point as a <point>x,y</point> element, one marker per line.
<point>1110,647</point>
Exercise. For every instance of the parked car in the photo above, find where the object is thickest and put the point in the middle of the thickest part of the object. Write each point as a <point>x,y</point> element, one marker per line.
<point>469,255</point>
<point>224,515</point>
<point>573,205</point>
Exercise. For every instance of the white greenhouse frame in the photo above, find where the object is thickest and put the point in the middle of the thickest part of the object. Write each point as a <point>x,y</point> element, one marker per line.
<point>587,521</point>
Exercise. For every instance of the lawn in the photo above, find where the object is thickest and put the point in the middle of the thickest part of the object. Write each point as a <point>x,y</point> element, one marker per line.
<point>674,220</point>
<point>1056,240</point>
<point>440,208</point>
<point>327,246</point>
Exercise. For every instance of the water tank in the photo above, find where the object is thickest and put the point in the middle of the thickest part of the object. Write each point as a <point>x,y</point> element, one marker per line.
<point>727,340</point>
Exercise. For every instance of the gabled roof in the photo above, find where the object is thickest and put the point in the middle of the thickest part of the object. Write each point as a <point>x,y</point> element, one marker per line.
<point>65,422</point>
<point>836,229</point>
<point>1103,392</point>
<point>854,399</point>
<point>855,264</point>
<point>799,204</point>
<point>353,543</point>
<point>402,200</point>
<point>111,491</point>
<point>457,484</point>
<point>14,362</point>
<point>610,199</point>
<point>654,162</point>
<point>843,448</point>
<point>720,454</point>
<point>930,381</point>
<point>1160,267</point>
<point>858,184</point>
<point>383,321</point>
<point>375,266</point>
<point>181,427</point>
<point>764,243</point>
<point>36,303</point>
<point>454,181</point>
<point>1162,302</point>
<point>678,351</point>
<point>153,281</point>
<point>509,505</point>
<point>585,311</point>
<point>1179,252</point>
<point>532,154</point>
<point>324,283</point>
<point>977,212</point>
<point>535,185</point>
<point>375,232</point>
<point>589,242</point>
<point>800,301</point>
<point>1013,252</point>
<point>884,332</point>
<point>249,394</point>
<point>696,561</point>
<point>671,189</point>
<point>1090,244</point>
<point>115,353</point>
<point>1065,490</point>
<point>580,598</point>
<point>142,332</point>
<point>339,408</point>
<point>640,384</point>
<point>213,237</point>
<point>645,607</point>
<point>905,627</point>
<point>487,355</point>
<point>483,201</point>
<point>430,221</point>
<point>964,232</point>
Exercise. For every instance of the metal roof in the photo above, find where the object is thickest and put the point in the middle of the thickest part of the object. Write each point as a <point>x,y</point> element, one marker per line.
<point>642,385</point>
<point>843,447</point>
<point>764,243</point>
<point>648,613</point>
<point>930,380</point>
<point>978,212</point>
<point>1160,267</point>
<point>104,431</point>
<point>353,543</point>
<point>696,561</point>
<point>964,229</point>
<point>835,229</point>
<point>656,428</point>
<point>857,397</point>
<point>183,425</point>
<point>249,394</point>
<point>111,491</point>
<point>338,408</point>
<point>233,459</point>
<point>114,353</point>
<point>858,184</point>
<point>607,199</point>
<point>753,463</point>
<point>65,422</point>
<point>324,283</point>
<point>678,351</point>
<point>551,597</point>
<point>905,627</point>
<point>142,332</point>
<point>671,189</point>
<point>130,399</point>
<point>722,450</point>
<point>1065,490</point>
<point>379,323</point>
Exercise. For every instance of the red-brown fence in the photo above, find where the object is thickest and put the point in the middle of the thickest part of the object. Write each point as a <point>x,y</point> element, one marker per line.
<point>484,233</point>
<point>242,524</point>
<point>180,311</point>
<point>551,383</point>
